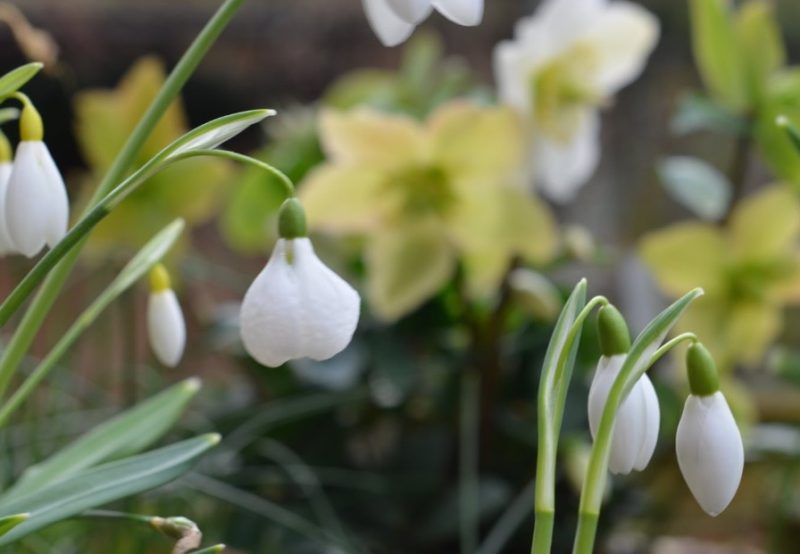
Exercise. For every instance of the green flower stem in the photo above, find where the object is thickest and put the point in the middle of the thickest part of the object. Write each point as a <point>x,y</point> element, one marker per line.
<point>669,345</point>
<point>286,182</point>
<point>586,532</point>
<point>468,462</point>
<point>40,306</point>
<point>549,428</point>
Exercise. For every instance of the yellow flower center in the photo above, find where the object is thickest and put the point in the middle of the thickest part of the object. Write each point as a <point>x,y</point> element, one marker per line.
<point>561,92</point>
<point>421,190</point>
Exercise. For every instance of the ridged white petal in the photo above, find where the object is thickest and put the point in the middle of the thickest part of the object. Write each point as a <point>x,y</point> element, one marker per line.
<point>637,421</point>
<point>36,207</point>
<point>297,307</point>
<point>390,28</point>
<point>463,12</point>
<point>166,327</point>
<point>412,11</point>
<point>710,451</point>
<point>6,246</point>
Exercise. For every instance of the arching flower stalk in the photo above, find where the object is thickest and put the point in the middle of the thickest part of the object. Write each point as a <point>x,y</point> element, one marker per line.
<point>165,324</point>
<point>36,205</point>
<point>297,307</point>
<point>394,20</point>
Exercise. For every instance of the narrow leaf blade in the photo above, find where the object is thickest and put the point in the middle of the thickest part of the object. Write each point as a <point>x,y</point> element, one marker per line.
<point>103,484</point>
<point>7,523</point>
<point>128,433</point>
<point>215,132</point>
<point>697,185</point>
<point>15,79</point>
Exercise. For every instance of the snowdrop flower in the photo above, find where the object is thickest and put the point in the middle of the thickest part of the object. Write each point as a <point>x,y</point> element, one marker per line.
<point>637,421</point>
<point>36,206</point>
<point>708,443</point>
<point>565,63</point>
<point>297,307</point>
<point>6,246</point>
<point>165,324</point>
<point>394,20</point>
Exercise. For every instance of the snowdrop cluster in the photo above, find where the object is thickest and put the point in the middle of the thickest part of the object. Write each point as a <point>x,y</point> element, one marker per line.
<point>394,20</point>
<point>297,307</point>
<point>708,443</point>
<point>34,209</point>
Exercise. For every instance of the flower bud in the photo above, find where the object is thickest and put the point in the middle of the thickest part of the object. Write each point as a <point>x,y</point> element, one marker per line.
<point>708,442</point>
<point>612,331</point>
<point>165,324</point>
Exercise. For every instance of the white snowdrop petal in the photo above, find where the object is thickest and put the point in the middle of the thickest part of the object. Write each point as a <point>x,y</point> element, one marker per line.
<point>36,206</point>
<point>710,451</point>
<point>636,425</point>
<point>411,11</point>
<point>390,28</point>
<point>166,327</point>
<point>297,308</point>
<point>463,12</point>
<point>331,305</point>
<point>652,422</point>
<point>6,246</point>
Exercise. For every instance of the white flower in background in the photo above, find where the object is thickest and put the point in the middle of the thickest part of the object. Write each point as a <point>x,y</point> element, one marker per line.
<point>297,307</point>
<point>636,425</point>
<point>166,327</point>
<point>565,63</point>
<point>708,443</point>
<point>6,246</point>
<point>36,205</point>
<point>394,20</point>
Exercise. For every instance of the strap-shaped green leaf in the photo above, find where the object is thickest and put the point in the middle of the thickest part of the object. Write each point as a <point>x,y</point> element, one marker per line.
<point>7,523</point>
<point>211,549</point>
<point>103,484</point>
<point>15,79</point>
<point>126,434</point>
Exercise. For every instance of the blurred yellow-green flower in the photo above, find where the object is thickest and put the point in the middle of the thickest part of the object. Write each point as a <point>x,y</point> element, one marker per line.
<point>749,269</point>
<point>427,195</point>
<point>191,189</point>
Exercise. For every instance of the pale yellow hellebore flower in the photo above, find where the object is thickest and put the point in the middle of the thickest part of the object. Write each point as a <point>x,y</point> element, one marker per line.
<point>427,195</point>
<point>749,269</point>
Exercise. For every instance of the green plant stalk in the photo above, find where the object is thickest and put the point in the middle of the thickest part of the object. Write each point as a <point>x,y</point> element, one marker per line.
<point>34,317</point>
<point>631,371</point>
<point>550,418</point>
<point>468,462</point>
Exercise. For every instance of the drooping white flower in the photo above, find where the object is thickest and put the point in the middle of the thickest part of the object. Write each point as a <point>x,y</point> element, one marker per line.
<point>36,205</point>
<point>297,307</point>
<point>6,246</point>
<point>708,442</point>
<point>565,63</point>
<point>394,20</point>
<point>166,327</point>
<point>638,418</point>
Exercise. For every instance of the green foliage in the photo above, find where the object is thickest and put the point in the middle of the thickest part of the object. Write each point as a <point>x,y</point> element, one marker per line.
<point>15,79</point>
<point>697,185</point>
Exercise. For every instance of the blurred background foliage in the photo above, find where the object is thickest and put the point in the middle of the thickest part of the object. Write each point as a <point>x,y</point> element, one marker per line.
<point>697,186</point>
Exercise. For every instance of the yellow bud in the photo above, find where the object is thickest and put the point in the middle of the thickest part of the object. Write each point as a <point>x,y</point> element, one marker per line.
<point>30,123</point>
<point>159,278</point>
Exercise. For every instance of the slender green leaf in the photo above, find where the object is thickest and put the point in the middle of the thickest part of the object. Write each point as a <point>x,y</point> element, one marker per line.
<point>215,132</point>
<point>791,130</point>
<point>146,258</point>
<point>697,185</point>
<point>762,48</point>
<point>549,420</point>
<point>716,52</point>
<point>103,484</point>
<point>15,79</point>
<point>211,549</point>
<point>7,523</point>
<point>128,433</point>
